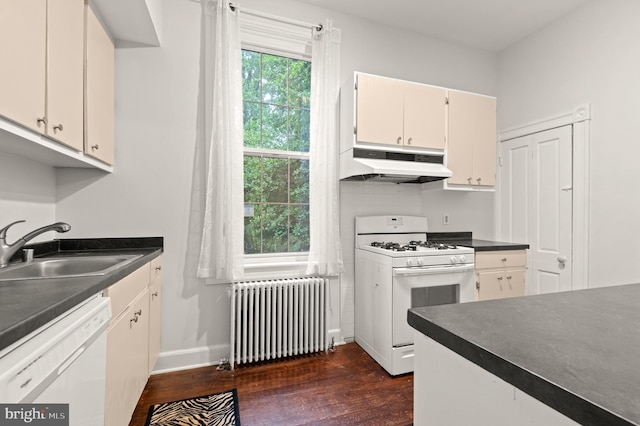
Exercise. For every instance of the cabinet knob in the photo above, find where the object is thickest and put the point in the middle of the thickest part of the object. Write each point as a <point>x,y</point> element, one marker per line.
<point>509,277</point>
<point>94,147</point>
<point>154,294</point>
<point>58,128</point>
<point>399,139</point>
<point>504,259</point>
<point>409,141</point>
<point>500,278</point>
<point>478,285</point>
<point>158,268</point>
<point>470,179</point>
<point>42,120</point>
<point>479,179</point>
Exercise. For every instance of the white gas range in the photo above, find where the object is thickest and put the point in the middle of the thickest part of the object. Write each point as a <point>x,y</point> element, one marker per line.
<point>396,269</point>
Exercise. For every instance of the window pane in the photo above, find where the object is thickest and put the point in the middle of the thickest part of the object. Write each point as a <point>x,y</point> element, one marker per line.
<point>299,229</point>
<point>275,228</point>
<point>253,231</point>
<point>251,76</point>
<point>299,181</point>
<point>299,129</point>
<point>274,79</point>
<point>252,124</point>
<point>274,127</point>
<point>275,185</point>
<point>252,179</point>
<point>299,83</point>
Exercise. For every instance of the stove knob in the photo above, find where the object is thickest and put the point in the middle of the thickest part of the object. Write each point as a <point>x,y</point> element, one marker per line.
<point>409,262</point>
<point>462,259</point>
<point>453,260</point>
<point>420,261</point>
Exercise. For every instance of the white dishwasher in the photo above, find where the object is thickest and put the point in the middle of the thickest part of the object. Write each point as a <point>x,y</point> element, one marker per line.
<point>63,362</point>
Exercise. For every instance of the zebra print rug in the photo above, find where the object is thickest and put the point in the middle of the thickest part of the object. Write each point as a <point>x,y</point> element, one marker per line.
<point>218,409</point>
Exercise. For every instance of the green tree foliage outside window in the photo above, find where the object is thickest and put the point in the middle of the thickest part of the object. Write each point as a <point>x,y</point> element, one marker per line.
<point>276,101</point>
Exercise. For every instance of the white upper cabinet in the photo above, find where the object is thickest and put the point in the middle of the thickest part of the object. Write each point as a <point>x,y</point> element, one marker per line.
<point>399,113</point>
<point>23,41</point>
<point>471,142</point>
<point>65,56</point>
<point>41,77</point>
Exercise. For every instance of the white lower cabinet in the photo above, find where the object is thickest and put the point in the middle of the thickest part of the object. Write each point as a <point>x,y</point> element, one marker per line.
<point>500,274</point>
<point>133,341</point>
<point>445,381</point>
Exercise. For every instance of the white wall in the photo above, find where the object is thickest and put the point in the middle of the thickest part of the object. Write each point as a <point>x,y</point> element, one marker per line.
<point>590,56</point>
<point>148,193</point>
<point>27,192</point>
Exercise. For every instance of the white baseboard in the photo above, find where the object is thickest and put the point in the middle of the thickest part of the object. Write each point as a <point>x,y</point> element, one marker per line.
<point>211,355</point>
<point>191,358</point>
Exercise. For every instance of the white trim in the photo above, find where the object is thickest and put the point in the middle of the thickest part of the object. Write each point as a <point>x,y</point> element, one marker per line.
<point>579,118</point>
<point>185,359</point>
<point>578,114</point>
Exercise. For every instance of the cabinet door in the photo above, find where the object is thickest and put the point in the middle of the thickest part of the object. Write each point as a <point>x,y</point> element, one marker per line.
<point>155,314</point>
<point>491,285</point>
<point>471,145</point>
<point>424,116</point>
<point>127,361</point>
<point>460,138</point>
<point>484,149</point>
<point>23,26</point>
<point>379,110</point>
<point>515,282</point>
<point>65,71</point>
<point>99,92</point>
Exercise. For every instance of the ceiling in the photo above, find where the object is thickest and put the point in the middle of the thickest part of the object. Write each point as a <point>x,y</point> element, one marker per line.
<point>488,24</point>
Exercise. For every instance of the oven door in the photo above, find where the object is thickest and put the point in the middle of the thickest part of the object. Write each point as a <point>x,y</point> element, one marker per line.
<point>427,286</point>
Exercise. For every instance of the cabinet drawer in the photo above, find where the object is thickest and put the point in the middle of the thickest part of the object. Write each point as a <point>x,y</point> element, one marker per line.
<point>501,259</point>
<point>125,290</point>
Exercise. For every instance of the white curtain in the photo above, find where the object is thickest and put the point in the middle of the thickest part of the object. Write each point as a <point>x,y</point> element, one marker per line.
<point>219,146</point>
<point>325,253</point>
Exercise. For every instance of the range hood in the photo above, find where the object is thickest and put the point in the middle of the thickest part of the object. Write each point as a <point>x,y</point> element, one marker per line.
<point>358,164</point>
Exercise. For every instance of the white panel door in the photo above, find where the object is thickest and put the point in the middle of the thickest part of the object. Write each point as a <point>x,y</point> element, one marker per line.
<point>551,190</point>
<point>515,190</point>
<point>536,204</point>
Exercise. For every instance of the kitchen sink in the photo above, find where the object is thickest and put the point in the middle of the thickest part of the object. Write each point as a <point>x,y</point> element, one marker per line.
<point>66,266</point>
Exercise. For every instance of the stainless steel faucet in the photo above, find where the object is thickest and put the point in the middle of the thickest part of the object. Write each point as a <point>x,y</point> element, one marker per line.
<point>8,250</point>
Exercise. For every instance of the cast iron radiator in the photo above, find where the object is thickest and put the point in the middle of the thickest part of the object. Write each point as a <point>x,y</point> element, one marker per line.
<point>273,319</point>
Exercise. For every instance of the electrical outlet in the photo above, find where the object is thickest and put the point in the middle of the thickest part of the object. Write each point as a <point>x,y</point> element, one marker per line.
<point>445,218</point>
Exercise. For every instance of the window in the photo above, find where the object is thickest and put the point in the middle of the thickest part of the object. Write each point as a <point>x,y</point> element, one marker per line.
<point>276,102</point>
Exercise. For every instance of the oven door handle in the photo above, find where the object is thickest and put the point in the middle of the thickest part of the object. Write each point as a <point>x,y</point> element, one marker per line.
<point>431,271</point>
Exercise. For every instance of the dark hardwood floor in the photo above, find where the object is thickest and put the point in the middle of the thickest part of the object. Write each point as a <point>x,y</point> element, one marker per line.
<point>344,387</point>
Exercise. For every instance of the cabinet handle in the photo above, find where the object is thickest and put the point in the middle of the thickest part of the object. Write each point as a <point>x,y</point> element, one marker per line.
<point>135,317</point>
<point>94,147</point>
<point>477,285</point>
<point>509,277</point>
<point>409,141</point>
<point>42,120</point>
<point>479,179</point>
<point>58,127</point>
<point>470,179</point>
<point>158,268</point>
<point>504,259</point>
<point>500,278</point>
<point>154,294</point>
<point>399,139</point>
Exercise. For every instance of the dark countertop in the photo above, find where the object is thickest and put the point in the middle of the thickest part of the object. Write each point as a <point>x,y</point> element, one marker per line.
<point>26,305</point>
<point>577,352</point>
<point>466,239</point>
